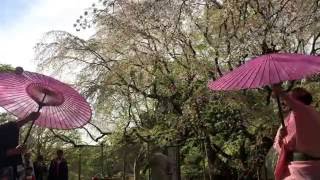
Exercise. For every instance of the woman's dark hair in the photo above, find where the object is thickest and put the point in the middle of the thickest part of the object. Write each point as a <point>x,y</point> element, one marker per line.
<point>59,151</point>
<point>302,95</point>
<point>40,158</point>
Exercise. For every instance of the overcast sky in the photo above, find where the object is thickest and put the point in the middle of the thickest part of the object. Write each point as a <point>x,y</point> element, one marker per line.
<point>24,22</point>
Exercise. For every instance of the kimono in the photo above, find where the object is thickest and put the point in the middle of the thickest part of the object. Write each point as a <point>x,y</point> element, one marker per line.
<point>303,133</point>
<point>9,138</point>
<point>58,170</point>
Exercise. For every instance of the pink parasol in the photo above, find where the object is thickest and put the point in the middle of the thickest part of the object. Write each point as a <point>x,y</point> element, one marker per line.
<point>61,106</point>
<point>267,70</point>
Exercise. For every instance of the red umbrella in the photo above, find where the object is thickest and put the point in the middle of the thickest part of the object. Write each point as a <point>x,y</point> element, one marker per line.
<point>61,106</point>
<point>266,70</point>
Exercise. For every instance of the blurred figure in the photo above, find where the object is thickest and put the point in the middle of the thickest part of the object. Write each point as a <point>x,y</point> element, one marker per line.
<point>40,168</point>
<point>6,173</point>
<point>95,178</point>
<point>161,166</point>
<point>29,174</point>
<point>27,161</point>
<point>26,164</point>
<point>58,169</point>
<point>10,150</point>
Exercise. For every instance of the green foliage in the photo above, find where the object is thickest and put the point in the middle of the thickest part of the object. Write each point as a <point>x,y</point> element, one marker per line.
<point>193,159</point>
<point>6,68</point>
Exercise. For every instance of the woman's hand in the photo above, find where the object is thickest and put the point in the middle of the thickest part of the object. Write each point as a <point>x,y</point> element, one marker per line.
<point>16,151</point>
<point>282,134</point>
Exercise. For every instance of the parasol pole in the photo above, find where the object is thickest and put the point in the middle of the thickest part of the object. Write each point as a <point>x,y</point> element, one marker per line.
<point>29,130</point>
<point>280,111</point>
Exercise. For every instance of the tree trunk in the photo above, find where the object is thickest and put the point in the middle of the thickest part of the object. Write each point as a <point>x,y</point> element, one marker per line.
<point>124,163</point>
<point>173,155</point>
<point>137,168</point>
<point>137,165</point>
<point>79,165</point>
<point>211,155</point>
<point>102,159</point>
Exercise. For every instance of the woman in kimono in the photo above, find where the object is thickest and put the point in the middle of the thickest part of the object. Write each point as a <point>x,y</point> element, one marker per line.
<point>10,150</point>
<point>297,143</point>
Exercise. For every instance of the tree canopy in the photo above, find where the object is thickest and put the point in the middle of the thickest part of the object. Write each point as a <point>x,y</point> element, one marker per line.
<point>146,69</point>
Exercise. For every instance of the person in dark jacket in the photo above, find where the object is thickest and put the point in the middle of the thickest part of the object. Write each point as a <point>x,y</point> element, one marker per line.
<point>58,169</point>
<point>40,168</point>
<point>10,150</point>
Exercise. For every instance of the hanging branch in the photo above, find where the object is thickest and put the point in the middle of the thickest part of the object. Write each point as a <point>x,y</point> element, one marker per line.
<point>100,131</point>
<point>144,139</point>
<point>64,138</point>
<point>90,135</point>
<point>70,141</point>
<point>314,42</point>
